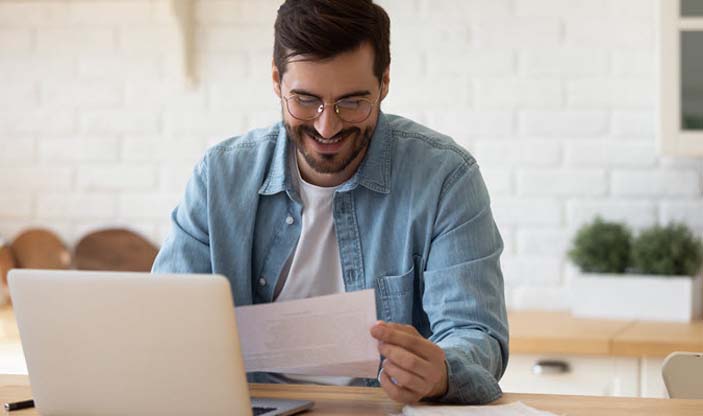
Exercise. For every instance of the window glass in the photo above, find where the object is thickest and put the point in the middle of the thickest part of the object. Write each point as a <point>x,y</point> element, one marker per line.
<point>691,8</point>
<point>692,80</point>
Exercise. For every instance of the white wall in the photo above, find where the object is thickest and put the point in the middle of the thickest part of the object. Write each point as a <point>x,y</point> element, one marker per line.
<point>556,98</point>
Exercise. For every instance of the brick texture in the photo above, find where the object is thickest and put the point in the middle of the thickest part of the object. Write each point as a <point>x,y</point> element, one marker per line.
<point>555,98</point>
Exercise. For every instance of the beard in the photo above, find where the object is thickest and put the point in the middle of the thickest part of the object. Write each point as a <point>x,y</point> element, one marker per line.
<point>329,163</point>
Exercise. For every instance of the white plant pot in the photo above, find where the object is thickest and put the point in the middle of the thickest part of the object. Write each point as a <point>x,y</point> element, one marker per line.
<point>642,297</point>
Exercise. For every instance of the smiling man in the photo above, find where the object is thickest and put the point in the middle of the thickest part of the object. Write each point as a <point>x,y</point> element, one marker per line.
<point>341,197</point>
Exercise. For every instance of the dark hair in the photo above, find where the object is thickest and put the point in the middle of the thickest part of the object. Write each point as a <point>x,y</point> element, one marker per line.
<point>323,29</point>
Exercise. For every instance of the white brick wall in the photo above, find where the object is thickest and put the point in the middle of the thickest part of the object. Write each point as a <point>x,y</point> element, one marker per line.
<point>20,95</point>
<point>686,211</point>
<point>521,211</point>
<point>16,149</point>
<point>123,121</point>
<point>561,8</point>
<point>556,99</point>
<point>65,205</point>
<point>78,150</point>
<point>517,93</point>
<point>513,153</point>
<point>74,40</point>
<point>561,124</point>
<point>22,178</point>
<point>562,183</point>
<point>16,205</point>
<point>115,177</point>
<point>15,40</point>
<point>563,62</point>
<point>636,213</point>
<point>680,183</point>
<point>608,153</point>
<point>543,241</point>
<point>630,124</point>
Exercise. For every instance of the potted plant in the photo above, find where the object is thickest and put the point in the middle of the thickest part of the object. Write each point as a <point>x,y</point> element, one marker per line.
<point>653,276</point>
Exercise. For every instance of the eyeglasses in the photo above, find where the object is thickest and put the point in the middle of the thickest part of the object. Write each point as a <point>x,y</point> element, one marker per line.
<point>350,110</point>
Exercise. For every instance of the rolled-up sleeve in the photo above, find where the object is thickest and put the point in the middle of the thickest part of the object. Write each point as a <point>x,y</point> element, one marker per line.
<point>187,246</point>
<point>464,295</point>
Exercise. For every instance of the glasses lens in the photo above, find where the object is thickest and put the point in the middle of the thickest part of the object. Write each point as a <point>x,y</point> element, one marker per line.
<point>353,110</point>
<point>304,108</point>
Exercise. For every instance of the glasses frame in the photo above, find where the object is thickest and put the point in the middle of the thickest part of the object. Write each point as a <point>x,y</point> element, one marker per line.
<point>324,105</point>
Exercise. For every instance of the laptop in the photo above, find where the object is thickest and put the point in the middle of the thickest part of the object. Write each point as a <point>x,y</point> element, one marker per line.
<point>104,343</point>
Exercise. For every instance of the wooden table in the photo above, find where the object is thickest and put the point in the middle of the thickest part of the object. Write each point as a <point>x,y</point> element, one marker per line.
<point>340,401</point>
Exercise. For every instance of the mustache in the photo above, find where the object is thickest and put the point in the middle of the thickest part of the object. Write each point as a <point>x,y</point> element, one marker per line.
<point>343,133</point>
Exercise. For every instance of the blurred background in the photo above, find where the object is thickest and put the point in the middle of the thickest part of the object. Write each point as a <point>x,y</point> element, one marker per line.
<point>101,121</point>
<point>573,108</point>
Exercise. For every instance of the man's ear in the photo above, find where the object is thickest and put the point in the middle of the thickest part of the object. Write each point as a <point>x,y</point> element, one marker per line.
<point>276,78</point>
<point>385,82</point>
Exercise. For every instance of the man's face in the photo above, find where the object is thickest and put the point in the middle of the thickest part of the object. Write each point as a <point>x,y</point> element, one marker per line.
<point>329,149</point>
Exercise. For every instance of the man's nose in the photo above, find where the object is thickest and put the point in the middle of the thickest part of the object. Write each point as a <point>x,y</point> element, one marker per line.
<point>328,124</point>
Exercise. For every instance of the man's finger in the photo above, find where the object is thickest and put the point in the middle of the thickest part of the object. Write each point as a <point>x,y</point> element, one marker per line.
<point>406,360</point>
<point>397,393</point>
<point>401,327</point>
<point>400,337</point>
<point>405,379</point>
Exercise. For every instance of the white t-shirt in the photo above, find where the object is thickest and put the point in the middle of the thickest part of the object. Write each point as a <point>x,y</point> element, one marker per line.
<point>314,269</point>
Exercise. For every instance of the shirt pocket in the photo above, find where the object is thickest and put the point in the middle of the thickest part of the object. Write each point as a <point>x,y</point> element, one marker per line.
<point>394,302</point>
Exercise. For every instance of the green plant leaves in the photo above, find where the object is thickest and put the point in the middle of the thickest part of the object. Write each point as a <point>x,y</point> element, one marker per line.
<point>602,247</point>
<point>609,247</point>
<point>670,250</point>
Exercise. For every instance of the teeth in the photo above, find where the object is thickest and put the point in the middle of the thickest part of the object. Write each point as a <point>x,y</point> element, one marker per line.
<point>317,139</point>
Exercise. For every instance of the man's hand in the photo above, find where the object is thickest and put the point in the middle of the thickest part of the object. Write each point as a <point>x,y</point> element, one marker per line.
<point>414,367</point>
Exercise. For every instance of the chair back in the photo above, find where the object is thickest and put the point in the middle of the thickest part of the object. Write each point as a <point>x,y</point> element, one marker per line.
<point>683,375</point>
<point>116,250</point>
<point>40,248</point>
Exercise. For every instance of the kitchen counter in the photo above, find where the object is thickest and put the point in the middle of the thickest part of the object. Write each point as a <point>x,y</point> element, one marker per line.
<point>8,326</point>
<point>604,357</point>
<point>541,332</point>
<point>658,338</point>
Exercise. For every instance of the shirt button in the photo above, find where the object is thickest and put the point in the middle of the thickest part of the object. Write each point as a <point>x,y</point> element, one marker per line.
<point>289,220</point>
<point>262,281</point>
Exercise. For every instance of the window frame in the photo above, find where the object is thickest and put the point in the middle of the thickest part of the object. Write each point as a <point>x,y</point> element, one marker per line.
<point>672,139</point>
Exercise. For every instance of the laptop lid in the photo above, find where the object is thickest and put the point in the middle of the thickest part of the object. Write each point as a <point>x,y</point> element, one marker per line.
<point>103,343</point>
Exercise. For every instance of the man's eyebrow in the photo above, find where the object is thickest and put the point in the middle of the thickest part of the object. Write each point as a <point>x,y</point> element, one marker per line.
<point>360,93</point>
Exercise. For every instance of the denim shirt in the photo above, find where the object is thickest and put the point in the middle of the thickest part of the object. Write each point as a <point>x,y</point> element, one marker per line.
<point>414,223</point>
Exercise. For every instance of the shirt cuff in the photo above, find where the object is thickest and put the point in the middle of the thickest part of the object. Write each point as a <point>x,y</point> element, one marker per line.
<point>467,382</point>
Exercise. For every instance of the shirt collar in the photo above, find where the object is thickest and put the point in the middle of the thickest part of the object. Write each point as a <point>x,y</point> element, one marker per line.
<point>374,173</point>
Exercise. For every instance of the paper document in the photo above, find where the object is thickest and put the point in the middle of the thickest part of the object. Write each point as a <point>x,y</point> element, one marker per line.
<point>322,336</point>
<point>512,409</point>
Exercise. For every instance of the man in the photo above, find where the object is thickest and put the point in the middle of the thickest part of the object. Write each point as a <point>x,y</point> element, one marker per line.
<point>341,197</point>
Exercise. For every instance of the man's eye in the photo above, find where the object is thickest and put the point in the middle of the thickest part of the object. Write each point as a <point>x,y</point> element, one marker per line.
<point>308,101</point>
<point>350,104</point>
